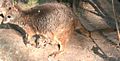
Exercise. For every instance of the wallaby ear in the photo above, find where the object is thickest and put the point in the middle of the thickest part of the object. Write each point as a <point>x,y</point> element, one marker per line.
<point>17,7</point>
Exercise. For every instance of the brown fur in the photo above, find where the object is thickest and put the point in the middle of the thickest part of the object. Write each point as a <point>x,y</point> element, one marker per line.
<point>51,20</point>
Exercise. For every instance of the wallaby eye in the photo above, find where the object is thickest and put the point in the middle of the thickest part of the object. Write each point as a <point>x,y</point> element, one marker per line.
<point>9,8</point>
<point>9,16</point>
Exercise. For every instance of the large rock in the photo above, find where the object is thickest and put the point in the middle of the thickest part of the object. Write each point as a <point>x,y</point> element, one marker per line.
<point>79,48</point>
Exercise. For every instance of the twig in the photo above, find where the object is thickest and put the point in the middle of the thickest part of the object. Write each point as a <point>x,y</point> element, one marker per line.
<point>96,7</point>
<point>117,25</point>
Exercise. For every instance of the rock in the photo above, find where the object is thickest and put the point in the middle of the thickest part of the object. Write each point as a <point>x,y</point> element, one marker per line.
<point>79,48</point>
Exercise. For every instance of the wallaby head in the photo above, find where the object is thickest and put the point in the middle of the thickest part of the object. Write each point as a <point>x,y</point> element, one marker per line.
<point>4,6</point>
<point>12,14</point>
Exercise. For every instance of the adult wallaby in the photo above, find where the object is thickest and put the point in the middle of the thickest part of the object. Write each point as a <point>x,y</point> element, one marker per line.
<point>54,21</point>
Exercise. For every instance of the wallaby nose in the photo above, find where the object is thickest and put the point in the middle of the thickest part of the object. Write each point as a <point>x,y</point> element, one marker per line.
<point>6,20</point>
<point>1,18</point>
<point>1,15</point>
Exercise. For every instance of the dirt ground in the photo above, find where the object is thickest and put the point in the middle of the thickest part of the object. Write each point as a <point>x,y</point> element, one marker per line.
<point>79,48</point>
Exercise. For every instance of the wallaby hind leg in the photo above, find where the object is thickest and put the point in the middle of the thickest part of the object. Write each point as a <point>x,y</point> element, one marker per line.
<point>62,40</point>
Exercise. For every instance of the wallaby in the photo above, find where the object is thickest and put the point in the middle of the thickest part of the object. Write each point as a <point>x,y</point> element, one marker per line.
<point>54,21</point>
<point>50,21</point>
